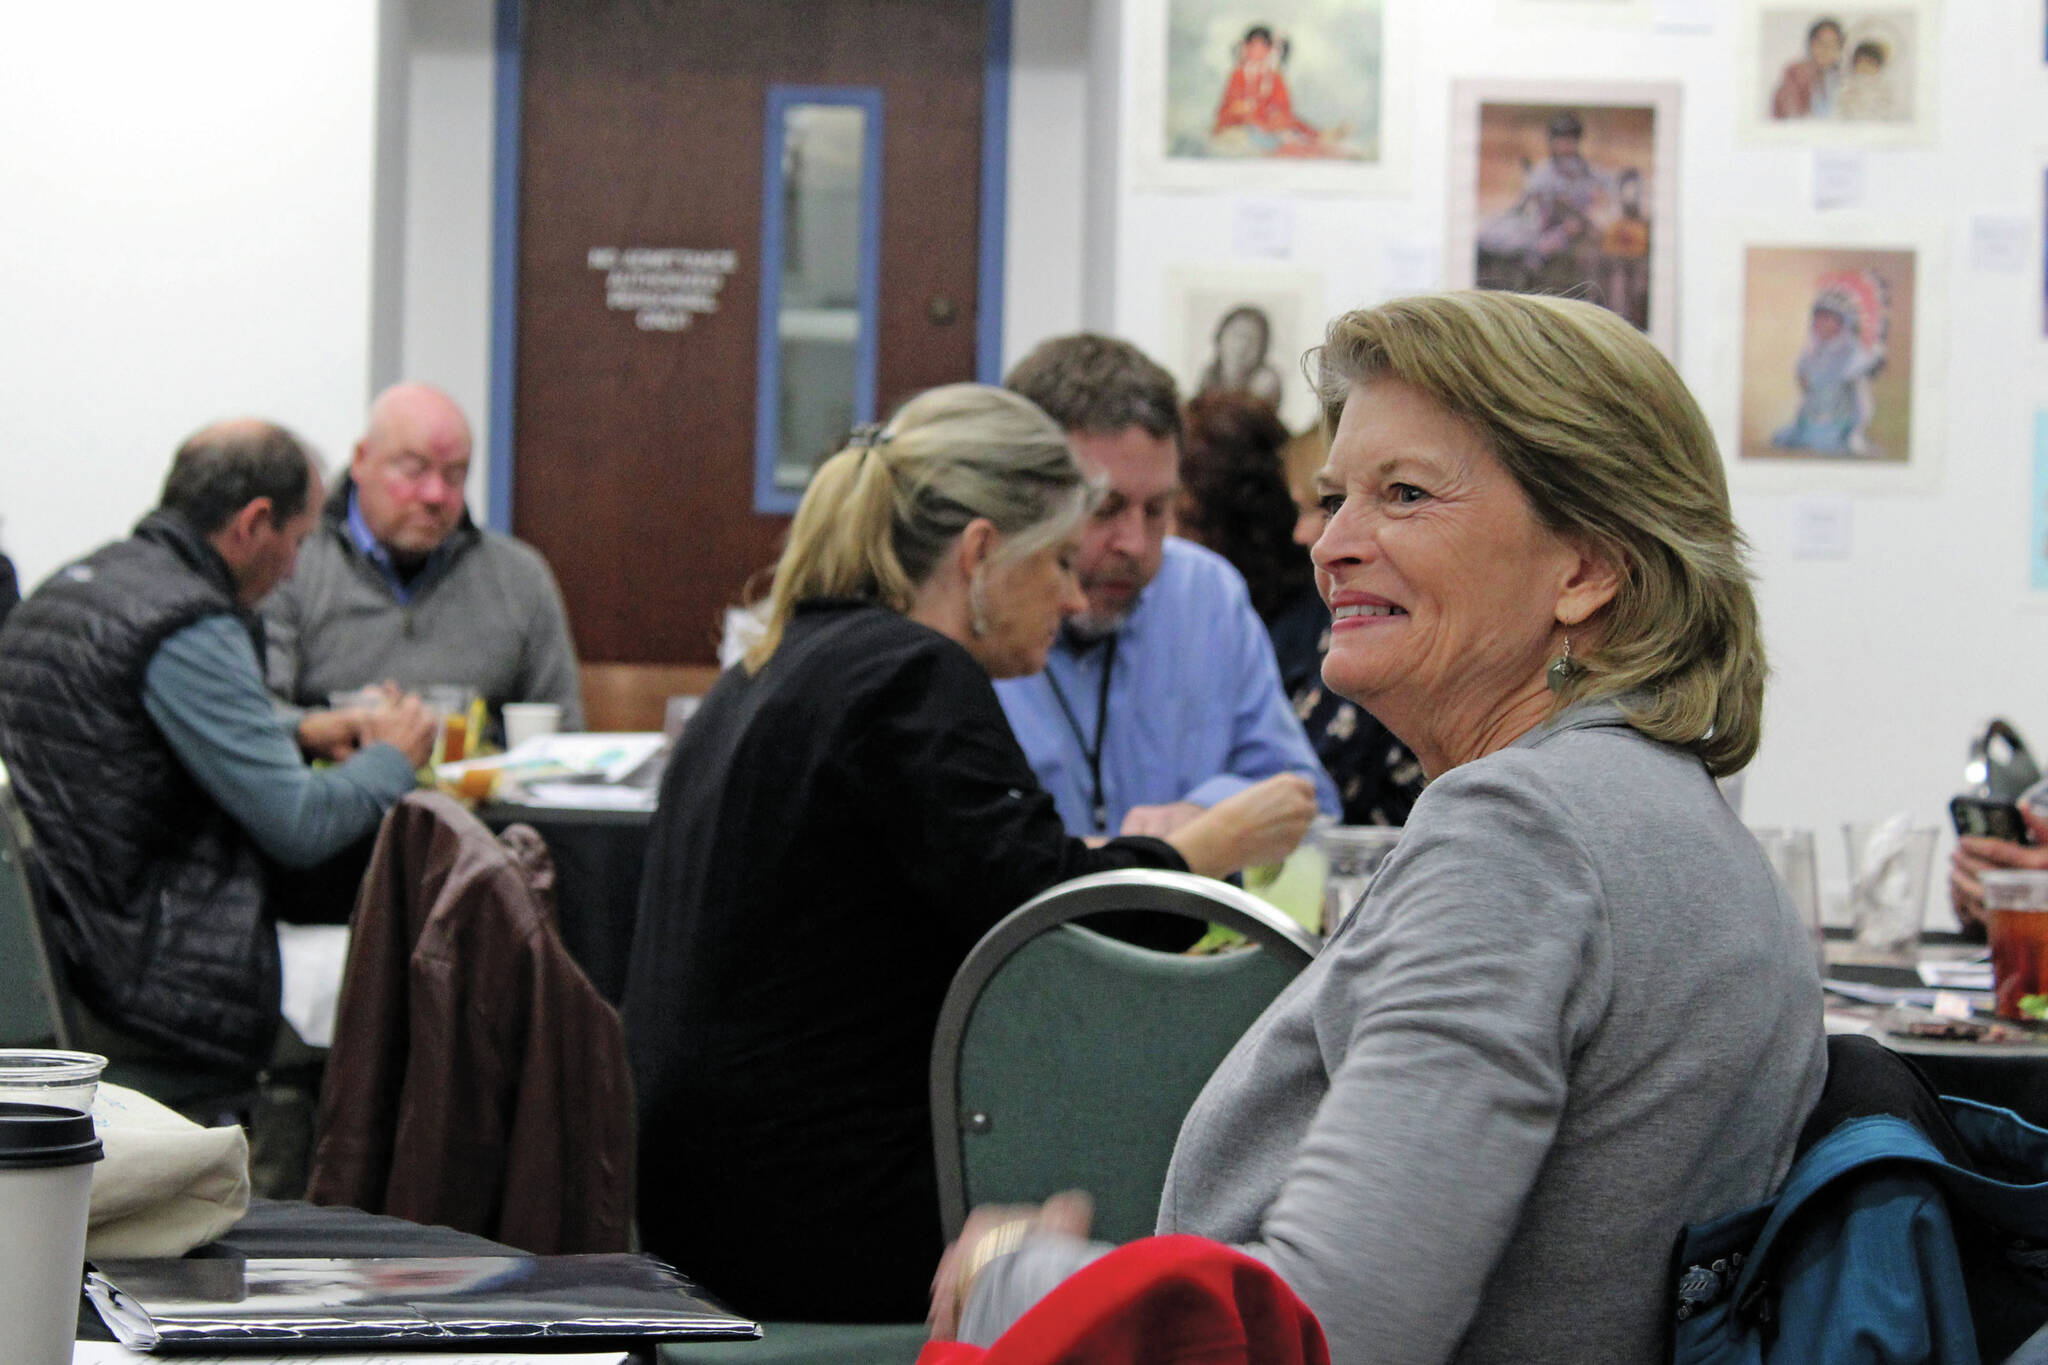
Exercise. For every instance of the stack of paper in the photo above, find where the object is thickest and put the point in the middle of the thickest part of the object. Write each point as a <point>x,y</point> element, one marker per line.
<point>563,770</point>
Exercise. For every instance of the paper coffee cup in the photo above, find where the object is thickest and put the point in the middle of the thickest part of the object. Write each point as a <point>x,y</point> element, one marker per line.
<point>46,1156</point>
<point>525,720</point>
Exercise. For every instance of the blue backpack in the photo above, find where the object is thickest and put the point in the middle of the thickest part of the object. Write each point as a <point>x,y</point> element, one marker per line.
<point>1879,1248</point>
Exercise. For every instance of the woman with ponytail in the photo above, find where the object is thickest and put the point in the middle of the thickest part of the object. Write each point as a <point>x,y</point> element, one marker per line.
<point>846,815</point>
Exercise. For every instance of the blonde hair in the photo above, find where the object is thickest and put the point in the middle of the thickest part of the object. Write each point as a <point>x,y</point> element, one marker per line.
<point>879,515</point>
<point>1612,452</point>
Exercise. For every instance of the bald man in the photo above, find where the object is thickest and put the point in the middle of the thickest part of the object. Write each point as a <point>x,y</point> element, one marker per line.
<point>398,584</point>
<point>167,795</point>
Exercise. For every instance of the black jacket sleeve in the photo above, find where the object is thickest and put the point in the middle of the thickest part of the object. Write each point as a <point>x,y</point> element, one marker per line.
<point>958,805</point>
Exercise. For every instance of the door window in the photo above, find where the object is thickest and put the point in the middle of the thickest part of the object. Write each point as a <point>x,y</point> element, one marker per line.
<point>820,254</point>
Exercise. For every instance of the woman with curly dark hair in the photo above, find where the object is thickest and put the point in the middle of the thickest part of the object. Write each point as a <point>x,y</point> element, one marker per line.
<point>1235,499</point>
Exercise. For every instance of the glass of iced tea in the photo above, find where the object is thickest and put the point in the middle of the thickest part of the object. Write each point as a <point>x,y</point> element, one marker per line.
<point>2017,903</point>
<point>452,703</point>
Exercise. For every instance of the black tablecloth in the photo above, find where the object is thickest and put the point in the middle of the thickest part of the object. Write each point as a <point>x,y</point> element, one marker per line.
<point>598,856</point>
<point>1987,1072</point>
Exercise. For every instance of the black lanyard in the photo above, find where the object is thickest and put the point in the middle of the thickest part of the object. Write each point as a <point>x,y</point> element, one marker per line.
<point>1094,755</point>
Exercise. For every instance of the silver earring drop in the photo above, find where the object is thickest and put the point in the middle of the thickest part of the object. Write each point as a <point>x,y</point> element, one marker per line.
<point>1562,669</point>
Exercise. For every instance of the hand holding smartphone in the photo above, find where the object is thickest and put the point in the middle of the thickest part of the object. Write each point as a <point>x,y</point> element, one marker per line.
<point>1985,818</point>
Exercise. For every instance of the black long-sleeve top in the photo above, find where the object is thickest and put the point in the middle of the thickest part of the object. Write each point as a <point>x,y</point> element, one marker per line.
<point>835,832</point>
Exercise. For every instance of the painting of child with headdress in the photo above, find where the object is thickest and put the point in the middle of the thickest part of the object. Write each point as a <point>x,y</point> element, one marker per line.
<point>1827,354</point>
<point>1844,350</point>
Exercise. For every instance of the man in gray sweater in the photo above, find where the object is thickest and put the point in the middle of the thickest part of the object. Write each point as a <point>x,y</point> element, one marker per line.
<point>399,585</point>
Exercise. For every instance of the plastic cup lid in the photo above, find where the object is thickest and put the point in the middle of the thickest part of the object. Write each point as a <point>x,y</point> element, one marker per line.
<point>45,1135</point>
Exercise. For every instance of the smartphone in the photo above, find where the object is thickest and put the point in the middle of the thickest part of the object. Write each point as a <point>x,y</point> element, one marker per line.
<point>1991,819</point>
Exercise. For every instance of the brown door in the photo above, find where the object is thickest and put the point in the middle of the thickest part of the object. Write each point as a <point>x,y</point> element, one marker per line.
<point>643,133</point>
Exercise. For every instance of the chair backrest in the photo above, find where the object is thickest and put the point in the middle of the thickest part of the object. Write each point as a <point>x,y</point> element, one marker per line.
<point>1065,1059</point>
<point>32,1009</point>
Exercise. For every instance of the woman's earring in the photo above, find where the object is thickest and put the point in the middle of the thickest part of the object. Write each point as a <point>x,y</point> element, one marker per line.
<point>977,613</point>
<point>1562,669</point>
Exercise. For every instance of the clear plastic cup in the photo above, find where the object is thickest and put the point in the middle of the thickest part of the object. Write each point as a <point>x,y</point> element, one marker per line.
<point>67,1080</point>
<point>451,704</point>
<point>359,699</point>
<point>1790,854</point>
<point>1354,853</point>
<point>1889,865</point>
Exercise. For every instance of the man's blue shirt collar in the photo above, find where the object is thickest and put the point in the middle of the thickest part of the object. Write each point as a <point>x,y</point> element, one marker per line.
<point>374,550</point>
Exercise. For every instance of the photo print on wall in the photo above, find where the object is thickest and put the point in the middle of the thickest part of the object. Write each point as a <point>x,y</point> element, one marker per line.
<point>1282,94</point>
<point>1827,75</point>
<point>1568,188</point>
<point>1828,354</point>
<point>1246,328</point>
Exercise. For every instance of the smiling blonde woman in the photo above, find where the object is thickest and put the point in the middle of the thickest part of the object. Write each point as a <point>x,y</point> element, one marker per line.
<point>1574,1011</point>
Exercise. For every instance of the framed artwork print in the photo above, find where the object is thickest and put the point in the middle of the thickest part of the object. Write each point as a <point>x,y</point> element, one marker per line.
<point>1284,95</point>
<point>1246,328</point>
<point>1826,76</point>
<point>1568,188</point>
<point>1839,383</point>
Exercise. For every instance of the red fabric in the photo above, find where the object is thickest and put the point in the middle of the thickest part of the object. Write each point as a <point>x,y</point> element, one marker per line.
<point>1259,100</point>
<point>1161,1301</point>
<point>1796,89</point>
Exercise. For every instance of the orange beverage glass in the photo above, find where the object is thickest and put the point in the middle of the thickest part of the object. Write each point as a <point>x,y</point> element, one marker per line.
<point>453,703</point>
<point>2018,906</point>
<point>454,737</point>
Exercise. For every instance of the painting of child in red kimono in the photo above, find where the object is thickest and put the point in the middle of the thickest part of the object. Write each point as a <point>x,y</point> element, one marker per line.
<point>1256,98</point>
<point>1256,115</point>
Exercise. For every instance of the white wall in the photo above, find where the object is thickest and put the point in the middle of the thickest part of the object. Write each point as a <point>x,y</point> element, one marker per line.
<point>1887,660</point>
<point>186,236</point>
<point>1046,221</point>
<point>445,328</point>
<point>190,234</point>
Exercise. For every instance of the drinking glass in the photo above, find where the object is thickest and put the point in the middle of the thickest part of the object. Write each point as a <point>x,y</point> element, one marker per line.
<point>1354,853</point>
<point>2016,904</point>
<point>43,1076</point>
<point>452,704</point>
<point>1889,863</point>
<point>1790,854</point>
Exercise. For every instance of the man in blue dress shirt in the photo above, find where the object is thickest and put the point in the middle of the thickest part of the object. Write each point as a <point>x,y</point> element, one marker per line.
<point>1163,697</point>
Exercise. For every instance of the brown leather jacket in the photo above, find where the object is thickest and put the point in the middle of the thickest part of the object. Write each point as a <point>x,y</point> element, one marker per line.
<point>477,1079</point>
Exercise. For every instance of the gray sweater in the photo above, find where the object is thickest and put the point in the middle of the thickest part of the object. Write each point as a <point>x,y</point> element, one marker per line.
<point>489,616</point>
<point>1573,1013</point>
